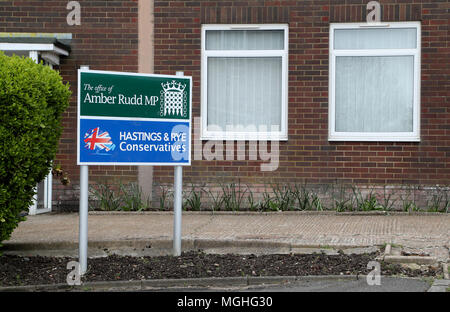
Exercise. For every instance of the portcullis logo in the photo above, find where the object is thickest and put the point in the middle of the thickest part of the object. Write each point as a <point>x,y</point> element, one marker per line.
<point>98,141</point>
<point>173,99</point>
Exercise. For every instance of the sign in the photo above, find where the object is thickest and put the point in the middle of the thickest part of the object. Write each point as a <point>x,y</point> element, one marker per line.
<point>133,119</point>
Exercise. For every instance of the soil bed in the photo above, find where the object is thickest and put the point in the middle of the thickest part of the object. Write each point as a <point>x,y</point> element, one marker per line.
<point>19,271</point>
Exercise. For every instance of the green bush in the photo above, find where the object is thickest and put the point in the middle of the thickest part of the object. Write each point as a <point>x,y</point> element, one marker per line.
<point>32,100</point>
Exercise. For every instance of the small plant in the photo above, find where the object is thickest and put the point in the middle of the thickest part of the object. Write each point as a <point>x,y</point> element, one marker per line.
<point>217,200</point>
<point>369,204</point>
<point>274,206</point>
<point>408,201</point>
<point>283,198</point>
<point>194,200</point>
<point>106,197</point>
<point>163,198</point>
<point>365,203</point>
<point>252,204</point>
<point>316,203</point>
<point>342,199</point>
<point>132,198</point>
<point>233,196</point>
<point>303,197</point>
<point>410,206</point>
<point>307,199</point>
<point>439,201</point>
<point>266,203</point>
<point>387,203</point>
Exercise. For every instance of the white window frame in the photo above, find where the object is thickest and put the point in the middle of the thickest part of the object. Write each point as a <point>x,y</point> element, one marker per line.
<point>414,135</point>
<point>224,135</point>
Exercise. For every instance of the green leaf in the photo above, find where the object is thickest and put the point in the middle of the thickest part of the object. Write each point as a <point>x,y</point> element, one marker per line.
<point>33,98</point>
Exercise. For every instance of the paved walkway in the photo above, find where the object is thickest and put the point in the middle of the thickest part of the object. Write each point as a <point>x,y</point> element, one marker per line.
<point>427,232</point>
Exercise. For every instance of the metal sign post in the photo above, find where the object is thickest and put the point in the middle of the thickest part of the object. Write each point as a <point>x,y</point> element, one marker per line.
<point>83,226</point>
<point>177,209</point>
<point>177,204</point>
<point>84,208</point>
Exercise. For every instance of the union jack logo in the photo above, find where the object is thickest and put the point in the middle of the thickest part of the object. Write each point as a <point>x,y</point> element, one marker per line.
<point>97,140</point>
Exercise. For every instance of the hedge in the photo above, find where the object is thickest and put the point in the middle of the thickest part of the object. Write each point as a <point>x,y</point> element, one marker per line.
<point>32,100</point>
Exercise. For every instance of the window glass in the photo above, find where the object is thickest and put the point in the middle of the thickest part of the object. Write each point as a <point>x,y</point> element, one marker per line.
<point>244,92</point>
<point>244,40</point>
<point>364,38</point>
<point>374,94</point>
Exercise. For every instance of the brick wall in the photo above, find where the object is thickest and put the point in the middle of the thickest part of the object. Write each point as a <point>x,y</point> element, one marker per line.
<point>107,39</point>
<point>308,155</point>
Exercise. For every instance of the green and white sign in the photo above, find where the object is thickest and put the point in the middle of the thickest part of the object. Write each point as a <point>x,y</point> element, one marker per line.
<point>134,95</point>
<point>133,119</point>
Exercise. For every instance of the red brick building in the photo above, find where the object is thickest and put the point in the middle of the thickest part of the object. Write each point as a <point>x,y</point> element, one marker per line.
<point>107,39</point>
<point>339,98</point>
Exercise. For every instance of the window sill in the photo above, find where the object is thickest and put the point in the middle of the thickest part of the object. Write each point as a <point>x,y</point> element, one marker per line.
<point>244,137</point>
<point>373,138</point>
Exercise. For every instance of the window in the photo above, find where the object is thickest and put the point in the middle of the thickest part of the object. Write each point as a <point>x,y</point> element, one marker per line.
<point>374,82</point>
<point>244,82</point>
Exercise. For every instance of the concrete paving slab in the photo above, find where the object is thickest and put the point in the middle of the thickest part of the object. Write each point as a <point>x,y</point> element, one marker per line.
<point>428,232</point>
